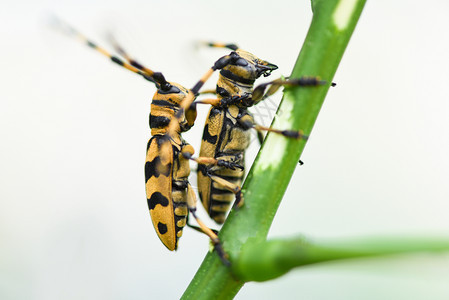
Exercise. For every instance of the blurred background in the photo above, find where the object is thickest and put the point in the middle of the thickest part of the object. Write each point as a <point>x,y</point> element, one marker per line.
<point>74,222</point>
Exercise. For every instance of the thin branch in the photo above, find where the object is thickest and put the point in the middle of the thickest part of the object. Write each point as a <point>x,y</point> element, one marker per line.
<point>268,260</point>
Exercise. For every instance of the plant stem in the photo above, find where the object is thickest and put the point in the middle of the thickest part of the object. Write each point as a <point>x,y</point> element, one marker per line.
<point>271,259</point>
<point>331,28</point>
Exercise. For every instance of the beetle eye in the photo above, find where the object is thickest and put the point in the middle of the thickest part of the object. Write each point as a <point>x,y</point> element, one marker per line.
<point>241,62</point>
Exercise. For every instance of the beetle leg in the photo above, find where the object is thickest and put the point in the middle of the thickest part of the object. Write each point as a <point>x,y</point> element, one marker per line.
<point>187,102</point>
<point>191,204</point>
<point>211,101</point>
<point>211,91</point>
<point>221,162</point>
<point>225,101</point>
<point>197,228</point>
<point>191,111</point>
<point>234,188</point>
<point>260,92</point>
<point>247,122</point>
<point>299,135</point>
<point>203,160</point>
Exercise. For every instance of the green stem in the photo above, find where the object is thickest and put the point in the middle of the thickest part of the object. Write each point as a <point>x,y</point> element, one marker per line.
<point>268,260</point>
<point>332,26</point>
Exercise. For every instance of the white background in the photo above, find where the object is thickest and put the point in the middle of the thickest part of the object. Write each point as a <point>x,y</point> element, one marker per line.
<point>74,222</point>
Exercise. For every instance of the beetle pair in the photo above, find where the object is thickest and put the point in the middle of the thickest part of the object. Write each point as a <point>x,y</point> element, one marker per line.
<point>225,138</point>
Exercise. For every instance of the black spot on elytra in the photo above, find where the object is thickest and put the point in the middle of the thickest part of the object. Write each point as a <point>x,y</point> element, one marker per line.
<point>202,169</point>
<point>157,198</point>
<point>160,140</point>
<point>208,137</point>
<point>156,168</point>
<point>162,228</point>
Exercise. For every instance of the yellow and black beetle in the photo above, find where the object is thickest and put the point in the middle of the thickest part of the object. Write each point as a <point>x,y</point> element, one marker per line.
<point>226,133</point>
<point>170,196</point>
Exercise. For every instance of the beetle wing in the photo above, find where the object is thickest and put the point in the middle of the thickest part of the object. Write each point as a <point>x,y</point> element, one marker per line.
<point>158,185</point>
<point>209,144</point>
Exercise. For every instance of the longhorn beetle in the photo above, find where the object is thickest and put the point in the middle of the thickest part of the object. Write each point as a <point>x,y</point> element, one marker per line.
<point>226,133</point>
<point>170,196</point>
